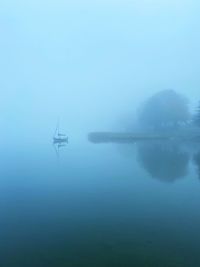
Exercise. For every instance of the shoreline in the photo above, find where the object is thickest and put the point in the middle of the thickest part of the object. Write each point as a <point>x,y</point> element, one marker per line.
<point>109,137</point>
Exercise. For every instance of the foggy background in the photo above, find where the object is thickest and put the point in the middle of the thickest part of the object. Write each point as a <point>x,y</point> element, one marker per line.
<point>92,63</point>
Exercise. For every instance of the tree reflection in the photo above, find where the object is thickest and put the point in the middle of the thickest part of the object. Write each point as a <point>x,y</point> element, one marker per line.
<point>164,161</point>
<point>196,160</point>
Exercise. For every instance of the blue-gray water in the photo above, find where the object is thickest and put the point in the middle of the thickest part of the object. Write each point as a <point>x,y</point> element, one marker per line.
<point>99,205</point>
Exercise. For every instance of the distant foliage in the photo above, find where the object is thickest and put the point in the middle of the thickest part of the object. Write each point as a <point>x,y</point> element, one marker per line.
<point>164,109</point>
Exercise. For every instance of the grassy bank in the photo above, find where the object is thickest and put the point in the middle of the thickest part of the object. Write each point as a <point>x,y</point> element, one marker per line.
<point>189,134</point>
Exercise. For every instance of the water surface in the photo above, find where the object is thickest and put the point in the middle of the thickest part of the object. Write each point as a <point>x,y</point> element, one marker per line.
<point>100,204</point>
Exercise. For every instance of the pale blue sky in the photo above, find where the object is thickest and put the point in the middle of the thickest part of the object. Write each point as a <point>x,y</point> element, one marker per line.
<point>93,62</point>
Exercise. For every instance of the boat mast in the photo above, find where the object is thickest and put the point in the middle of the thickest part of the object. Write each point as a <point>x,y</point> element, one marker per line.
<point>57,128</point>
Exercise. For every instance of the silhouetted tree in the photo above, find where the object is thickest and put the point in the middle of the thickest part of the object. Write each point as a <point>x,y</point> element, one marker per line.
<point>163,161</point>
<point>197,116</point>
<point>164,109</point>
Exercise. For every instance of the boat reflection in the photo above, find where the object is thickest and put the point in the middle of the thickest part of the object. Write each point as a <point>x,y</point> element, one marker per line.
<point>58,146</point>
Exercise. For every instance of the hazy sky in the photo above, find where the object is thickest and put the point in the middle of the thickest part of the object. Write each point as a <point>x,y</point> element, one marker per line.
<point>93,62</point>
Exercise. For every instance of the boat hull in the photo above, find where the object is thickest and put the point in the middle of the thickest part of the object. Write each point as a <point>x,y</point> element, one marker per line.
<point>60,140</point>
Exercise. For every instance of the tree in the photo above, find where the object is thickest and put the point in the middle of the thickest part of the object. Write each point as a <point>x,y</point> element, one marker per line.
<point>197,116</point>
<point>164,109</point>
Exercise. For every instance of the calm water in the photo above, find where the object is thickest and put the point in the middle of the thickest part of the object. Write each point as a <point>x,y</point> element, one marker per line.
<point>100,205</point>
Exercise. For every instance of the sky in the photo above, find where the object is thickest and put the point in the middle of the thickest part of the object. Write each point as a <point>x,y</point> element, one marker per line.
<point>92,63</point>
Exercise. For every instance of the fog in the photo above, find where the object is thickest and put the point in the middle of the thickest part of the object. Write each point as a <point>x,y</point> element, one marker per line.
<point>102,189</point>
<point>92,63</point>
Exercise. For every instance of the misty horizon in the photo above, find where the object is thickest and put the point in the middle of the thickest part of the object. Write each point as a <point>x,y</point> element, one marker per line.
<point>92,65</point>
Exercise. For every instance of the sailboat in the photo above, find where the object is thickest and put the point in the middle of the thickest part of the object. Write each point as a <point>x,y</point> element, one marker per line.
<point>59,138</point>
